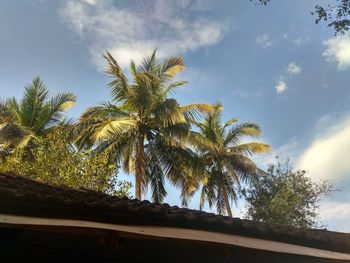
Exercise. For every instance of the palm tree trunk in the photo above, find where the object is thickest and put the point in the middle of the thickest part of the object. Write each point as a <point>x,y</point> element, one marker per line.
<point>139,167</point>
<point>227,203</point>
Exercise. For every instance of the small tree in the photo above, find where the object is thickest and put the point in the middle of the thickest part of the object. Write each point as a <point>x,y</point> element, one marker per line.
<point>285,196</point>
<point>55,160</point>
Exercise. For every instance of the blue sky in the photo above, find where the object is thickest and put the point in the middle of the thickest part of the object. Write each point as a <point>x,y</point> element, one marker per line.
<point>271,65</point>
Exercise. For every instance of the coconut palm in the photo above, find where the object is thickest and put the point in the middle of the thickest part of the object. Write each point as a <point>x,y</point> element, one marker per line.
<point>23,122</point>
<point>227,160</point>
<point>142,128</point>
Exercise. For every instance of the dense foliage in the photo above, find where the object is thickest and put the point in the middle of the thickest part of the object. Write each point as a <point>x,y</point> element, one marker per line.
<point>285,196</point>
<point>55,160</point>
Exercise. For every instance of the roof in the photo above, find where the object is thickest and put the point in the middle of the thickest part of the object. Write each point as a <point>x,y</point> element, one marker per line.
<point>26,197</point>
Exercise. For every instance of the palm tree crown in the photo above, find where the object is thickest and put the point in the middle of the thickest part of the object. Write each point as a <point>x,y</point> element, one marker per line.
<point>141,124</point>
<point>22,122</point>
<point>226,160</point>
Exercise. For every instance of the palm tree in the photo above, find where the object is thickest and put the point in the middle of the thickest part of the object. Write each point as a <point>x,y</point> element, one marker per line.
<point>142,128</point>
<point>226,160</point>
<point>23,122</point>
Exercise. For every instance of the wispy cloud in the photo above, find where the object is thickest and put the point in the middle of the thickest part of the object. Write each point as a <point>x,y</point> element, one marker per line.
<point>293,68</point>
<point>338,51</point>
<point>264,41</point>
<point>280,87</point>
<point>128,31</point>
<point>296,40</point>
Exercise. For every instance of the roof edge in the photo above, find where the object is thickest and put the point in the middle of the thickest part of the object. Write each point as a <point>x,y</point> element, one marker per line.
<point>180,233</point>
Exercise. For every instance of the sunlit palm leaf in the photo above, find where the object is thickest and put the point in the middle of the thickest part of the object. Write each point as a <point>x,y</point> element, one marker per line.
<point>170,67</point>
<point>168,113</point>
<point>172,86</point>
<point>119,85</point>
<point>230,122</point>
<point>26,140</point>
<point>235,134</point>
<point>243,166</point>
<point>148,64</point>
<point>250,148</point>
<point>194,111</point>
<point>113,126</point>
<point>201,143</point>
<point>35,96</point>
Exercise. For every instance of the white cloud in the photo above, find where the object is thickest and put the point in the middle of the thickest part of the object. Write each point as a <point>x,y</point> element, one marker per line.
<point>264,40</point>
<point>293,68</point>
<point>328,155</point>
<point>280,87</point>
<point>338,51</point>
<point>336,214</point>
<point>134,31</point>
<point>91,2</point>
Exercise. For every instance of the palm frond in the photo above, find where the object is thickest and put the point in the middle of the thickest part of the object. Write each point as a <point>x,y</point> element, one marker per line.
<point>63,102</point>
<point>243,166</point>
<point>105,110</point>
<point>34,98</point>
<point>15,108</point>
<point>51,113</point>
<point>202,197</point>
<point>119,85</point>
<point>195,111</point>
<point>141,96</point>
<point>105,128</point>
<point>250,148</point>
<point>176,135</point>
<point>29,138</point>
<point>172,86</point>
<point>170,67</point>
<point>231,188</point>
<point>128,161</point>
<point>118,148</point>
<point>245,129</point>
<point>155,176</point>
<point>230,122</point>
<point>201,143</point>
<point>6,112</point>
<point>148,64</point>
<point>168,113</point>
